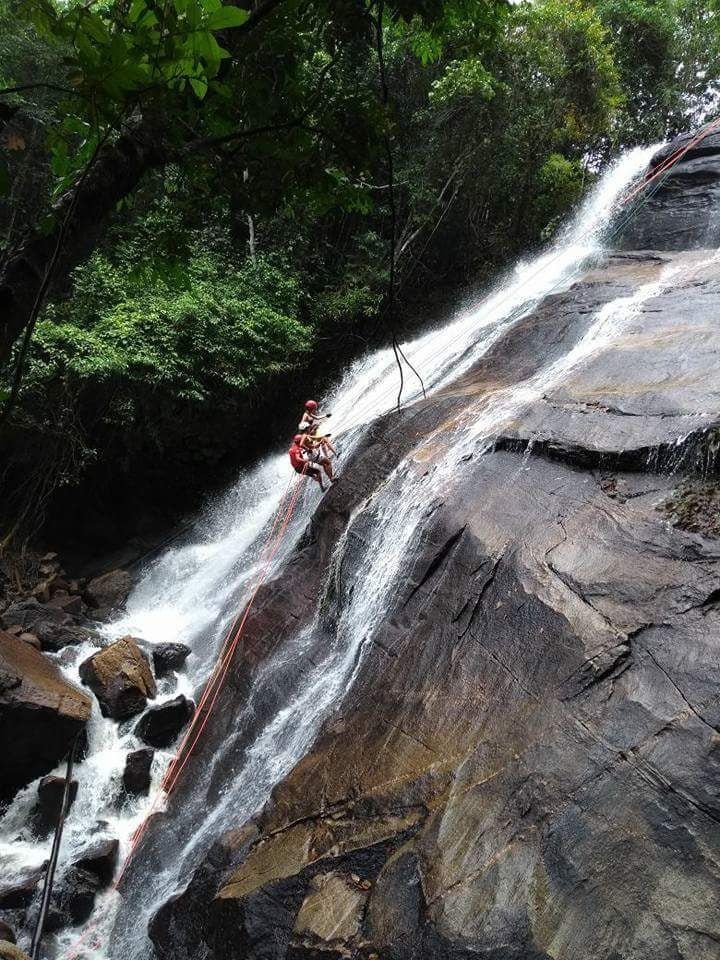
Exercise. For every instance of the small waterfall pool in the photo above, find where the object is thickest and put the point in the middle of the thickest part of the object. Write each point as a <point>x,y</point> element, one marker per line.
<point>192,592</point>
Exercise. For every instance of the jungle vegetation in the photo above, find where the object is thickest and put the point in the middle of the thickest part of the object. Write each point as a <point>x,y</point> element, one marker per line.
<point>200,202</point>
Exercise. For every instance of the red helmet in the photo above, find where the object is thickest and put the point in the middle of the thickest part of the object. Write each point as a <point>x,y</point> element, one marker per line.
<point>311,404</point>
<point>298,438</point>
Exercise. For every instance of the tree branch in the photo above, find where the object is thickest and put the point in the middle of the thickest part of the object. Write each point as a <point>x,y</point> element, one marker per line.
<point>259,13</point>
<point>21,87</point>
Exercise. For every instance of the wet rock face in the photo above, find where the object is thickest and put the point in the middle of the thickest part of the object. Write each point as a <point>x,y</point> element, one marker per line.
<point>17,894</point>
<point>136,775</point>
<point>40,714</point>
<point>121,679</point>
<point>684,213</point>
<point>74,895</point>
<point>160,726</point>
<point>168,657</point>
<point>526,763</point>
<point>100,859</point>
<point>51,790</point>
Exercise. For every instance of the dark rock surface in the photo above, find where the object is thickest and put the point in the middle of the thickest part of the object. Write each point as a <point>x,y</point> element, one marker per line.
<point>168,657</point>
<point>525,761</point>
<point>40,714</point>
<point>160,726</point>
<point>72,900</point>
<point>684,213</point>
<point>136,775</point>
<point>100,859</point>
<point>121,679</point>
<point>50,796</point>
<point>108,591</point>
<point>55,627</point>
<point>17,892</point>
<point>74,894</point>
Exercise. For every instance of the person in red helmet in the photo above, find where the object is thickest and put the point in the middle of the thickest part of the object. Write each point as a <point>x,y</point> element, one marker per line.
<point>311,419</point>
<point>301,458</point>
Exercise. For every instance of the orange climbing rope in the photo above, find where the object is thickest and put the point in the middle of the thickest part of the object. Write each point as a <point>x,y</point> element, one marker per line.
<point>674,157</point>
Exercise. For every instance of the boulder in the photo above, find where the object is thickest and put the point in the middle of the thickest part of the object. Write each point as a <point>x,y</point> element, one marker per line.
<point>136,775</point>
<point>67,602</point>
<point>168,657</point>
<point>31,639</point>
<point>332,910</point>
<point>160,725</point>
<point>40,714</point>
<point>17,892</point>
<point>100,859</point>
<point>50,797</point>
<point>121,679</point>
<point>54,627</point>
<point>682,213</point>
<point>108,591</point>
<point>73,899</point>
<point>9,951</point>
<point>7,934</point>
<point>74,896</point>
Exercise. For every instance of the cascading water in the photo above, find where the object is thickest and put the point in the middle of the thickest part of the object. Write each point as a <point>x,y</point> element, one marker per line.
<point>192,592</point>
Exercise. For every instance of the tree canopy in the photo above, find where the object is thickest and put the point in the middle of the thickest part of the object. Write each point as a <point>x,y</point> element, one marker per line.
<point>197,197</point>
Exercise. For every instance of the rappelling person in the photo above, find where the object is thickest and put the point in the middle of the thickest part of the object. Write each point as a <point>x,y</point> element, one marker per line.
<point>311,456</point>
<point>319,449</point>
<point>304,459</point>
<point>311,419</point>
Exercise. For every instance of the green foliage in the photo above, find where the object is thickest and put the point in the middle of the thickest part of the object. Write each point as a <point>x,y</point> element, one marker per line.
<point>565,71</point>
<point>119,51</point>
<point>668,57</point>
<point>118,56</point>
<point>560,185</point>
<point>197,329</point>
<point>462,78</point>
<point>496,112</point>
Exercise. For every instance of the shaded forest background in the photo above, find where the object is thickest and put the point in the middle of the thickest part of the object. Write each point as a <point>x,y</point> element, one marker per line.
<point>279,151</point>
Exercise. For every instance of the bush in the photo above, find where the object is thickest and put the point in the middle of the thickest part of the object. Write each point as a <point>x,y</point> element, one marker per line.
<point>192,328</point>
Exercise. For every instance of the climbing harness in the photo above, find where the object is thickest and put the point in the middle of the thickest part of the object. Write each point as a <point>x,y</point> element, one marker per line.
<point>279,526</point>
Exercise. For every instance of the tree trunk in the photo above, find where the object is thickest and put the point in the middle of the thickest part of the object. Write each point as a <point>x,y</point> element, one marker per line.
<point>115,173</point>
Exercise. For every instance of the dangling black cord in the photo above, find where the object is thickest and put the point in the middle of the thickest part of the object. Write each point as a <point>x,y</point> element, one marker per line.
<point>52,864</point>
<point>397,349</point>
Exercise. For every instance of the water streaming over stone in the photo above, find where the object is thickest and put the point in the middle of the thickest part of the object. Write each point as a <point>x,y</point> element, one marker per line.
<point>192,592</point>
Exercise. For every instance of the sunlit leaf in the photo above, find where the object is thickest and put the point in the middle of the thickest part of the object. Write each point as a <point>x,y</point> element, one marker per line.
<point>200,87</point>
<point>228,17</point>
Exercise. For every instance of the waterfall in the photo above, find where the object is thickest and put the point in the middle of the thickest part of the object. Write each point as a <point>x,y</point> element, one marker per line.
<point>192,592</point>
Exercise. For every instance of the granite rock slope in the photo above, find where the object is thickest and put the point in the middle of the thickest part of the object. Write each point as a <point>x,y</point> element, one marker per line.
<point>525,761</point>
